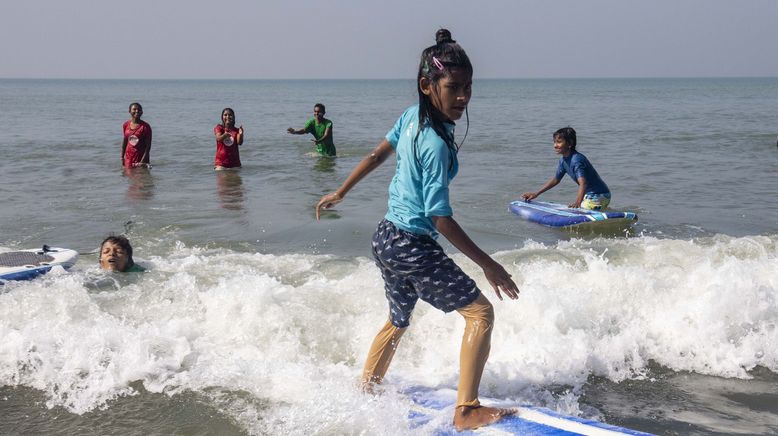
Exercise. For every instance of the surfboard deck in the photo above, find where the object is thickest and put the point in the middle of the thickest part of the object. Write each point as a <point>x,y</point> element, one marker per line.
<point>28,264</point>
<point>529,420</point>
<point>559,215</point>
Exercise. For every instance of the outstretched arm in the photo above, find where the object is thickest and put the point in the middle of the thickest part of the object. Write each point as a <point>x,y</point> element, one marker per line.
<point>363,168</point>
<point>494,272</point>
<point>531,195</point>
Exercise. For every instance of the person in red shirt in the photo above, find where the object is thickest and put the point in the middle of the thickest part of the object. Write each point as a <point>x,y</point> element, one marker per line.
<point>228,138</point>
<point>136,142</point>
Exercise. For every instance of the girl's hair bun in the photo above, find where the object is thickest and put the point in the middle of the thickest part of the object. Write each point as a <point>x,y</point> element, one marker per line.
<point>443,36</point>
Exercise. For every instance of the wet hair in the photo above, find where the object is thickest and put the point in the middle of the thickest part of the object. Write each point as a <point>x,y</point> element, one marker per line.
<point>436,63</point>
<point>225,110</point>
<point>568,134</point>
<point>135,103</point>
<point>122,242</point>
<point>321,106</point>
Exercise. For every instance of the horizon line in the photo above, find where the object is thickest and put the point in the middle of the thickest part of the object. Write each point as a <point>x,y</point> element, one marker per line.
<point>378,78</point>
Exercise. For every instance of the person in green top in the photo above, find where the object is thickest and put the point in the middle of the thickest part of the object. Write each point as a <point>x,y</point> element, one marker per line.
<point>116,255</point>
<point>321,129</point>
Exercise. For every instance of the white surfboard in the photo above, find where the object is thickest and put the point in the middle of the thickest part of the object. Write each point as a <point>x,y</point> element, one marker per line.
<point>28,264</point>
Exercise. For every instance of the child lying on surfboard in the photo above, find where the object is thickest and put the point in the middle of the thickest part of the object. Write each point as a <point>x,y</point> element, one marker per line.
<point>593,193</point>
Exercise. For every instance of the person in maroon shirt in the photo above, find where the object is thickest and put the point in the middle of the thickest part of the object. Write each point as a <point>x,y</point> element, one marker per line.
<point>136,141</point>
<point>228,138</point>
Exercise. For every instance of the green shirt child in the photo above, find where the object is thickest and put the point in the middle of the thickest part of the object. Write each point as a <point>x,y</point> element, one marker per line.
<point>321,129</point>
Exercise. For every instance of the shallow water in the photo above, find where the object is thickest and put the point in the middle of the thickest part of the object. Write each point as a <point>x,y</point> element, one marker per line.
<point>254,318</point>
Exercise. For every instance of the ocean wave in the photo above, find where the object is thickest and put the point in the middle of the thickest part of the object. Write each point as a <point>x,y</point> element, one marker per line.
<point>290,332</point>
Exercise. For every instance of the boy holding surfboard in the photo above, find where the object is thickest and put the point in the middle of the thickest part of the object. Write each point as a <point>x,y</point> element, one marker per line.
<point>593,193</point>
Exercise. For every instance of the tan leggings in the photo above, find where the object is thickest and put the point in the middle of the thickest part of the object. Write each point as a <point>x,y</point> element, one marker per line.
<point>476,343</point>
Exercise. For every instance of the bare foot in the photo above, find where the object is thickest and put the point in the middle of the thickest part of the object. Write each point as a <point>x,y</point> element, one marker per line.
<point>370,388</point>
<point>469,418</point>
<point>367,388</point>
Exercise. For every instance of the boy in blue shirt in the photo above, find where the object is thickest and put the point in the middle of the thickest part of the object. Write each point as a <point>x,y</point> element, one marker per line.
<point>593,193</point>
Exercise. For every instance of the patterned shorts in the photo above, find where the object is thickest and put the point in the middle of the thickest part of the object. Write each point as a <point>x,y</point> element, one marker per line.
<point>415,266</point>
<point>596,201</point>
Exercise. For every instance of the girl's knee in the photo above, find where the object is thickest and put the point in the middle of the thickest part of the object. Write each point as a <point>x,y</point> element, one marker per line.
<point>480,309</point>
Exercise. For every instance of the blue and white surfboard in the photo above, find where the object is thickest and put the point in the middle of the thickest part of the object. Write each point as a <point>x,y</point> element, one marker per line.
<point>529,420</point>
<point>28,264</point>
<point>558,215</point>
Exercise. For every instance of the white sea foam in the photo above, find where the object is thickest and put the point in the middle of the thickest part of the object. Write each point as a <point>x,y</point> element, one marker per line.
<point>278,341</point>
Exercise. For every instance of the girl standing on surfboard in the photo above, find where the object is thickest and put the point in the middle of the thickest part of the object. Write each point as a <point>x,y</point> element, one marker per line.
<point>593,193</point>
<point>411,261</point>
<point>228,138</point>
<point>136,141</point>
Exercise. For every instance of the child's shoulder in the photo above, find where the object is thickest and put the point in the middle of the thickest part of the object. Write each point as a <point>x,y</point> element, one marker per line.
<point>136,268</point>
<point>409,117</point>
<point>412,110</point>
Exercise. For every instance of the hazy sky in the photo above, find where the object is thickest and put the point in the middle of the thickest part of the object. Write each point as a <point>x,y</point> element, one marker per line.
<point>267,39</point>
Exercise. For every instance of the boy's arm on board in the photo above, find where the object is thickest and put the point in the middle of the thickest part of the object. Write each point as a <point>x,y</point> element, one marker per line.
<point>494,272</point>
<point>363,168</point>
<point>581,192</point>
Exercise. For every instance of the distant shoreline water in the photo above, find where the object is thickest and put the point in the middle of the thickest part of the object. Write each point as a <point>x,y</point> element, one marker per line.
<point>278,79</point>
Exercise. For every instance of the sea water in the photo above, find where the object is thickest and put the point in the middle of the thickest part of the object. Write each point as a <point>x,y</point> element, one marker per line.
<point>254,318</point>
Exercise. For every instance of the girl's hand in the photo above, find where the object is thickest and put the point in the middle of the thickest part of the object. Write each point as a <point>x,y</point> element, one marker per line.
<point>574,205</point>
<point>326,202</point>
<point>499,278</point>
<point>240,129</point>
<point>527,196</point>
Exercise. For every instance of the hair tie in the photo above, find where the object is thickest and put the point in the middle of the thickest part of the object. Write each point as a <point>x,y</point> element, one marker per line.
<point>437,63</point>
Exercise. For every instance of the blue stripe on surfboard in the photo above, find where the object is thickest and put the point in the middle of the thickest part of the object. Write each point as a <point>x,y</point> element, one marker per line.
<point>587,422</point>
<point>594,215</point>
<point>548,216</point>
<point>25,274</point>
<point>542,208</point>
